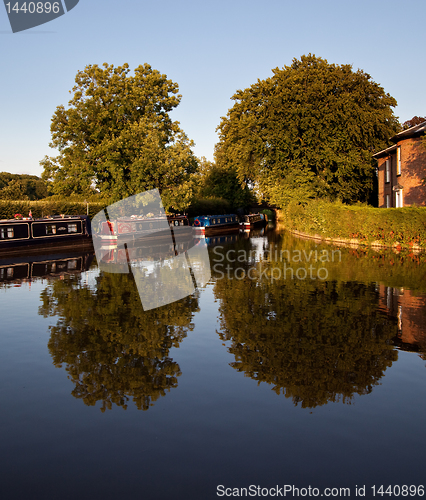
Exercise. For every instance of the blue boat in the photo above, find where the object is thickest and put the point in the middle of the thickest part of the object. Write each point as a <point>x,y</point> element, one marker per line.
<point>216,224</point>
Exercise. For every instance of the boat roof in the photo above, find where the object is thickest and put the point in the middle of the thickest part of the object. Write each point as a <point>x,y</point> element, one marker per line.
<point>44,219</point>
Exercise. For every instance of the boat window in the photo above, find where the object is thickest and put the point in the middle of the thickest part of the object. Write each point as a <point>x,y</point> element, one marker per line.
<point>9,272</point>
<point>72,264</point>
<point>214,221</point>
<point>176,223</point>
<point>51,229</point>
<point>6,232</point>
<point>72,228</point>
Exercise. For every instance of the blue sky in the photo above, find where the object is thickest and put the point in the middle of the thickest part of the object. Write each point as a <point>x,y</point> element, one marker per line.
<point>210,49</point>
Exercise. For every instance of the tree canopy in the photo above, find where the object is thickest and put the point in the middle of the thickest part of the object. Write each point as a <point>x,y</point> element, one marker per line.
<point>21,187</point>
<point>310,130</point>
<point>214,181</point>
<point>416,120</point>
<point>117,137</point>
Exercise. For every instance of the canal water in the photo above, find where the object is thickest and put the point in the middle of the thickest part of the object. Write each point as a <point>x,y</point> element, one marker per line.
<point>298,369</point>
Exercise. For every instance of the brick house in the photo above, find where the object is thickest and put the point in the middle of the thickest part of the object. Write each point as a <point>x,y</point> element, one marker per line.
<point>401,169</point>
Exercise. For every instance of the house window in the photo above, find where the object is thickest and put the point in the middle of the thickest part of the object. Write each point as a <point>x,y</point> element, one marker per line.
<point>388,201</point>
<point>398,161</point>
<point>387,170</point>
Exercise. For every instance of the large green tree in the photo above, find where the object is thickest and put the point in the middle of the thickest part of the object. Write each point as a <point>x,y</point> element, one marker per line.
<point>310,130</point>
<point>117,137</point>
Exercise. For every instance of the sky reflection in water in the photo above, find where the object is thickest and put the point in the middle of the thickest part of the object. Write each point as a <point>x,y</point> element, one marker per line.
<point>248,381</point>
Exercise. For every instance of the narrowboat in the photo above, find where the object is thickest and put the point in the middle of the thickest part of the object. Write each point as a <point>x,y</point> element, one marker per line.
<point>136,227</point>
<point>61,230</point>
<point>215,224</point>
<point>252,220</point>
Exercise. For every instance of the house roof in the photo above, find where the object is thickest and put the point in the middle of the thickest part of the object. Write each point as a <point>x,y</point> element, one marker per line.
<point>385,152</point>
<point>410,132</point>
<point>405,134</point>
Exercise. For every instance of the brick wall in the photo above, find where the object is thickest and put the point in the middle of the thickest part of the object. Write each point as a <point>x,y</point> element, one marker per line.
<point>413,161</point>
<point>413,170</point>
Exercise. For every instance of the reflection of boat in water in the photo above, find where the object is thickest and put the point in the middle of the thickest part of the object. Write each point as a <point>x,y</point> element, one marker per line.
<point>215,224</point>
<point>148,249</point>
<point>252,220</point>
<point>221,239</point>
<point>137,227</point>
<point>17,235</point>
<point>253,233</point>
<point>30,267</point>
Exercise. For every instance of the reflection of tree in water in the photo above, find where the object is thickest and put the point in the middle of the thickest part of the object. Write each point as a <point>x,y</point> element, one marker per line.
<point>112,349</point>
<point>314,341</point>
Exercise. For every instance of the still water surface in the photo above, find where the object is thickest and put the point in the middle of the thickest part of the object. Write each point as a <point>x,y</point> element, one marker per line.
<point>298,364</point>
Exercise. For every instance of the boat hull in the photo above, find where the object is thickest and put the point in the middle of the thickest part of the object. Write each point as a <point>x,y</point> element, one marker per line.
<point>215,224</point>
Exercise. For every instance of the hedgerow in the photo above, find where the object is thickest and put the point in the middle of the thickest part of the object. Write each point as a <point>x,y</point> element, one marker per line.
<point>390,226</point>
<point>42,208</point>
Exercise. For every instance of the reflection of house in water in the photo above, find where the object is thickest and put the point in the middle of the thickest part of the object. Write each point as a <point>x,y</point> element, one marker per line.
<point>410,311</point>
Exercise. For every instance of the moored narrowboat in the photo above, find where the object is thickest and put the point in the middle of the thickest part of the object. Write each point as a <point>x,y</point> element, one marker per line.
<point>252,220</point>
<point>215,224</point>
<point>136,227</point>
<point>17,234</point>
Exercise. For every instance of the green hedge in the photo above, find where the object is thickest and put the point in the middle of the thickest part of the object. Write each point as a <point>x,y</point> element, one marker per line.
<point>389,226</point>
<point>41,208</point>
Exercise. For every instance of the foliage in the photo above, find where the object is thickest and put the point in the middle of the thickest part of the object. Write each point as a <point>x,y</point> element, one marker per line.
<point>215,181</point>
<point>48,207</point>
<point>416,120</point>
<point>391,226</point>
<point>309,130</point>
<point>21,187</point>
<point>209,206</point>
<point>117,137</point>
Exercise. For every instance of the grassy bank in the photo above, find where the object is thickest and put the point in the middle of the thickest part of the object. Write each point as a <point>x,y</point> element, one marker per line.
<point>405,227</point>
